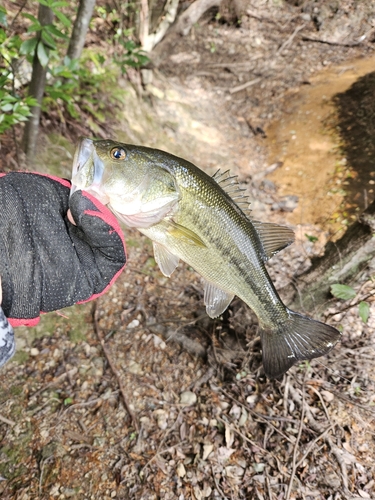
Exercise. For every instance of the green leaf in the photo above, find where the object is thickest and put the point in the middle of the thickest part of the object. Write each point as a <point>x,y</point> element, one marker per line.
<point>55,5</point>
<point>28,46</point>
<point>3,16</point>
<point>311,238</point>
<point>42,54</point>
<point>68,401</point>
<point>48,40</point>
<point>54,31</point>
<point>364,311</point>
<point>7,107</point>
<point>62,17</point>
<point>31,18</point>
<point>343,292</point>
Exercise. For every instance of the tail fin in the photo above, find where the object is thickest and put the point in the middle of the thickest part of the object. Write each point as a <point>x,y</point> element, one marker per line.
<point>297,339</point>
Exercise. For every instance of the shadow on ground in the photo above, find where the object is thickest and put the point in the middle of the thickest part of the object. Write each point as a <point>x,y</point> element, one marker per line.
<point>356,121</point>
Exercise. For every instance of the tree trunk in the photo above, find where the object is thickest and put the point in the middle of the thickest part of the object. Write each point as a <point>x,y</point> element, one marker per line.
<point>149,40</point>
<point>193,13</point>
<point>81,25</point>
<point>342,262</point>
<point>36,89</point>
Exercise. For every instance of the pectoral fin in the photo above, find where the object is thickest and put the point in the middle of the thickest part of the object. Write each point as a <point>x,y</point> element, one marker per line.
<point>273,237</point>
<point>166,260</point>
<point>216,300</point>
<point>185,234</point>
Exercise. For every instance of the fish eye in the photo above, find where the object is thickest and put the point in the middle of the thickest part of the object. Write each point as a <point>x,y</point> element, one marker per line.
<point>118,153</point>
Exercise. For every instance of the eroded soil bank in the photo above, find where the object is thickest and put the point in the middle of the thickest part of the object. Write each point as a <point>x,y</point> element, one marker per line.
<point>323,141</point>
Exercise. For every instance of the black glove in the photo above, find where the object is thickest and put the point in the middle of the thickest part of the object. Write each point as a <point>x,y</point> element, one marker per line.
<point>46,262</point>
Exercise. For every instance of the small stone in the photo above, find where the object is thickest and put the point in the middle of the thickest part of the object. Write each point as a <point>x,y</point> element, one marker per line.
<point>134,323</point>
<point>158,342</point>
<point>34,351</point>
<point>162,418</point>
<point>135,368</point>
<point>188,398</point>
<point>252,399</point>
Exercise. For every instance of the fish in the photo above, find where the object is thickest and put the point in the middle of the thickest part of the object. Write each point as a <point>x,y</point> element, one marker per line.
<point>206,222</point>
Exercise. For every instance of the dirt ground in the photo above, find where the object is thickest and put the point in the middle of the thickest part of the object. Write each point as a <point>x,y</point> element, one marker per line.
<point>142,396</point>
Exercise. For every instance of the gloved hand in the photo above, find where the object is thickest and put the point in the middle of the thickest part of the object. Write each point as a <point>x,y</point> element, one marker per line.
<point>46,262</point>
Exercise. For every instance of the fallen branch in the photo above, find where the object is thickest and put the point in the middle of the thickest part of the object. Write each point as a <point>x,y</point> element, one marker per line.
<point>295,450</point>
<point>191,346</point>
<point>114,369</point>
<point>290,39</point>
<point>7,421</point>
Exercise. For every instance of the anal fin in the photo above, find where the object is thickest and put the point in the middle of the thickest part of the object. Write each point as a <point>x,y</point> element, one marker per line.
<point>216,300</point>
<point>166,260</point>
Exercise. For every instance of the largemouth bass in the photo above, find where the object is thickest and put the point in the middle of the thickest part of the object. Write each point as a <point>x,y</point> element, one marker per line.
<point>205,222</point>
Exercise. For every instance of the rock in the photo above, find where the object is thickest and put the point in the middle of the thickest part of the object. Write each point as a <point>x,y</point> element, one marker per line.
<point>188,398</point>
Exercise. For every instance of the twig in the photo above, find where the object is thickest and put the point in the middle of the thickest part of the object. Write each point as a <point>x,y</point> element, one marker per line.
<point>286,393</point>
<point>322,402</point>
<point>234,429</point>
<point>114,369</point>
<point>59,379</point>
<point>295,451</point>
<point>306,38</point>
<point>217,485</point>
<point>318,428</point>
<point>203,379</point>
<point>264,418</point>
<point>7,421</point>
<point>244,85</point>
<point>313,443</point>
<point>268,484</point>
<point>158,452</point>
<point>290,39</point>
<point>43,463</point>
<point>16,16</point>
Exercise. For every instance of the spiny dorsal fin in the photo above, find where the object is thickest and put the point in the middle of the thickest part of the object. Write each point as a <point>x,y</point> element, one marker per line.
<point>273,237</point>
<point>229,183</point>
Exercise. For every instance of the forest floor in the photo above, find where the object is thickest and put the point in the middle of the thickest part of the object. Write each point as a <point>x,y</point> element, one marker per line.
<point>142,396</point>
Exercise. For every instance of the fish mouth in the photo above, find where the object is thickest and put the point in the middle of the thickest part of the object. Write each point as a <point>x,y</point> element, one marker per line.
<point>88,170</point>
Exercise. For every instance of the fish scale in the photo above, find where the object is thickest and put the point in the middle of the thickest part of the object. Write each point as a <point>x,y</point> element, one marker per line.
<point>203,221</point>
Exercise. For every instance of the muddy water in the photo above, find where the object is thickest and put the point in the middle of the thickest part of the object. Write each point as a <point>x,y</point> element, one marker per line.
<point>326,141</point>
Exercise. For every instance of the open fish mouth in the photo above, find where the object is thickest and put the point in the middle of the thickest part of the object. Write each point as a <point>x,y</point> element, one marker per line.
<point>88,170</point>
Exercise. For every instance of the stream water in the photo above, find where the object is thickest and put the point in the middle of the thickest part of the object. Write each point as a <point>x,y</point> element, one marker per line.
<point>326,141</point>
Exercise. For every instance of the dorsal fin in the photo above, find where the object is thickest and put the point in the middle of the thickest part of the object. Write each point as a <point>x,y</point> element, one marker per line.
<point>229,184</point>
<point>273,237</point>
